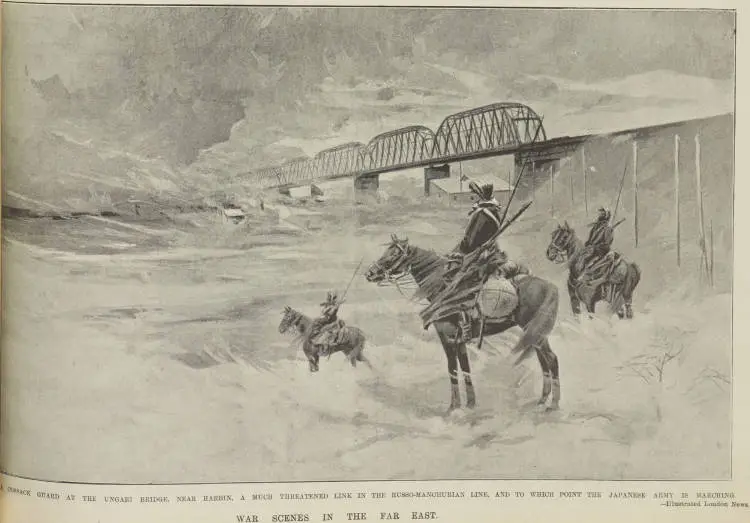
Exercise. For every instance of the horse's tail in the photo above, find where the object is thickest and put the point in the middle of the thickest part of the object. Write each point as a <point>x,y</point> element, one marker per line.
<point>356,336</point>
<point>352,337</point>
<point>541,324</point>
<point>357,342</point>
<point>359,345</point>
<point>634,277</point>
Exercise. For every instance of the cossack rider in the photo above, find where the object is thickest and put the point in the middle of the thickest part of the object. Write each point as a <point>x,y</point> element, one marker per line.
<point>327,321</point>
<point>484,222</point>
<point>600,239</point>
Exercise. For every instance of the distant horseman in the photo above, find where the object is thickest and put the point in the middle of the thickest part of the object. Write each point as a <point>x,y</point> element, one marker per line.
<point>325,329</point>
<point>602,234</point>
<point>599,242</point>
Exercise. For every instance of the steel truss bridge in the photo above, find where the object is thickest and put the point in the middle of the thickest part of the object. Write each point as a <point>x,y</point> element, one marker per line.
<point>492,130</point>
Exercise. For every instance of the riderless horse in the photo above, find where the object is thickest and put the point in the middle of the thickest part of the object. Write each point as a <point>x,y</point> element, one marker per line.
<point>535,313</point>
<point>351,341</point>
<point>615,287</point>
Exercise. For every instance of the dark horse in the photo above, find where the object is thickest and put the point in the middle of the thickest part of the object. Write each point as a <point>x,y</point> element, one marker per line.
<point>536,314</point>
<point>352,339</point>
<point>616,289</point>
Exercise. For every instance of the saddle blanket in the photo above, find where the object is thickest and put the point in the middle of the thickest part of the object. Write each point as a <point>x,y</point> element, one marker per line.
<point>619,270</point>
<point>613,269</point>
<point>498,298</point>
<point>329,334</point>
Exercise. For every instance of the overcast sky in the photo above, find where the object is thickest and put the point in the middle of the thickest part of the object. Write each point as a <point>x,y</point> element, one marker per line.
<point>196,70</point>
<point>583,44</point>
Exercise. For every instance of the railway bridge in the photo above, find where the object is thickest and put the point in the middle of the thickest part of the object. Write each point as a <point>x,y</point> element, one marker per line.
<point>497,129</point>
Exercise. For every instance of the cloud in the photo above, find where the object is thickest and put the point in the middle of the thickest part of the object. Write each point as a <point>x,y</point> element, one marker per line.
<point>245,86</point>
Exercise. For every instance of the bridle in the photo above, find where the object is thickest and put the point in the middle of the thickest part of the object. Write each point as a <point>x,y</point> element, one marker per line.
<point>398,272</point>
<point>291,318</point>
<point>399,268</point>
<point>560,251</point>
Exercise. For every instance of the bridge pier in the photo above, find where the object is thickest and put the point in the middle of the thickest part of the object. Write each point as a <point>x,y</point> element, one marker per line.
<point>303,190</point>
<point>435,173</point>
<point>366,186</point>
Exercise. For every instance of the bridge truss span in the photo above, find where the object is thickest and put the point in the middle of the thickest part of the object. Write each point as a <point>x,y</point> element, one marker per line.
<point>295,171</point>
<point>488,129</point>
<point>398,149</point>
<point>496,129</point>
<point>342,160</point>
<point>269,177</point>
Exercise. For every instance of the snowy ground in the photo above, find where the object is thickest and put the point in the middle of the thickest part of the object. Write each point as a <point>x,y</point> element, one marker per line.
<point>151,354</point>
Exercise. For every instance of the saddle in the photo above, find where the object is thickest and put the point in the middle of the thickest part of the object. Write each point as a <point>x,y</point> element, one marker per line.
<point>494,297</point>
<point>329,334</point>
<point>611,269</point>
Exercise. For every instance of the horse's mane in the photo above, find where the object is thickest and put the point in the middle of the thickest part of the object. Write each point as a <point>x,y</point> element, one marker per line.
<point>428,268</point>
<point>298,317</point>
<point>579,246</point>
<point>426,259</point>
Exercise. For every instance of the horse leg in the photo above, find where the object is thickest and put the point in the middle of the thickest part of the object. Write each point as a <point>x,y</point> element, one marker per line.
<point>312,356</point>
<point>314,360</point>
<point>617,295</point>
<point>575,302</point>
<point>554,368</point>
<point>590,301</point>
<point>627,291</point>
<point>350,354</point>
<point>364,360</point>
<point>463,361</point>
<point>450,353</point>
<point>622,311</point>
<point>359,353</point>
<point>629,309</point>
<point>546,375</point>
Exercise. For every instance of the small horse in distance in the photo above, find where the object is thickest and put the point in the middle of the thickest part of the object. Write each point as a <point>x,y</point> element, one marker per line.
<point>351,339</point>
<point>535,313</point>
<point>616,288</point>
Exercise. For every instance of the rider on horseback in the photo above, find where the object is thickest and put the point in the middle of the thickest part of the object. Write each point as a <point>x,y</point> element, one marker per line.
<point>599,242</point>
<point>484,222</point>
<point>328,322</point>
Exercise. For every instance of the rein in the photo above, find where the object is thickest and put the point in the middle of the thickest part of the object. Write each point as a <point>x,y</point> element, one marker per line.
<point>296,320</point>
<point>403,268</point>
<point>402,273</point>
<point>569,249</point>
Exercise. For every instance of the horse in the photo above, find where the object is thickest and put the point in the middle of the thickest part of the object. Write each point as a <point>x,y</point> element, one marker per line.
<point>351,341</point>
<point>535,313</point>
<point>616,289</point>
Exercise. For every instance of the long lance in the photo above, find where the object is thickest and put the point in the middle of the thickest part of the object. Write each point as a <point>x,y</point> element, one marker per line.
<point>515,217</point>
<point>468,259</point>
<point>472,256</point>
<point>503,225</point>
<point>619,193</point>
<point>341,300</point>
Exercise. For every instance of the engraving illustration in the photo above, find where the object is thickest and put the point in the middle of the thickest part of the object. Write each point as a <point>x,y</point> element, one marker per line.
<point>269,244</point>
